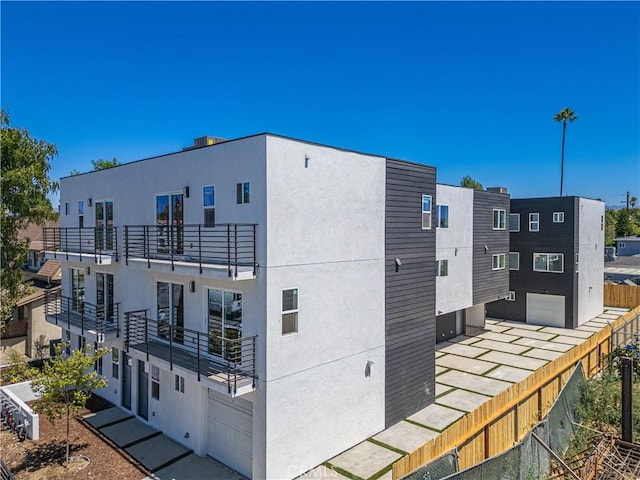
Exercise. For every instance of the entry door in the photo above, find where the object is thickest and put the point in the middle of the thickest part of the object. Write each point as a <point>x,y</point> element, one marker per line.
<point>225,321</point>
<point>126,381</point>
<point>143,390</point>
<point>104,225</point>
<point>170,221</point>
<point>170,297</point>
<point>104,296</point>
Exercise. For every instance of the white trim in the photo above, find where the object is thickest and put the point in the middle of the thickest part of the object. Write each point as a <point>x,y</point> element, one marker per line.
<point>536,222</point>
<point>498,256</point>
<point>502,215</point>
<point>561,255</point>
<point>558,217</point>
<point>288,312</point>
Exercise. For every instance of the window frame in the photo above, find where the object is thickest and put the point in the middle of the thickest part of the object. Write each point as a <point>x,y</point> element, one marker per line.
<point>426,212</point>
<point>155,382</point>
<point>511,297</point>
<point>441,265</point>
<point>498,256</point>
<point>439,216</point>
<point>243,192</point>
<point>534,222</point>
<point>548,262</point>
<point>501,219</point>
<point>517,255</point>
<point>178,383</point>
<point>209,208</point>
<point>558,217</point>
<point>514,215</point>
<point>292,311</point>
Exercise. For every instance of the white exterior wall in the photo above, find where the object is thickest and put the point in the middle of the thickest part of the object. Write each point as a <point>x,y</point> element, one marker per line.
<point>591,259</point>
<point>326,238</point>
<point>455,243</point>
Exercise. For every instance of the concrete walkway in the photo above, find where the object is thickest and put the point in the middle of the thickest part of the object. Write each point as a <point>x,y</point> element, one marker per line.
<point>165,458</point>
<point>470,370</point>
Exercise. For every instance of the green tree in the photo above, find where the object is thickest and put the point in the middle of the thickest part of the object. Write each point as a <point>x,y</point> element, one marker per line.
<point>101,164</point>
<point>25,183</point>
<point>469,182</point>
<point>610,223</point>
<point>565,115</point>
<point>66,384</point>
<point>625,225</point>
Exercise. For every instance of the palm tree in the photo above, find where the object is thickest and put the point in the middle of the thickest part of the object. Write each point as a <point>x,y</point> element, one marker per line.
<point>565,115</point>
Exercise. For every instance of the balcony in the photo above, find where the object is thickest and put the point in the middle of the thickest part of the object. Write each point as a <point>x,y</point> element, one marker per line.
<point>223,251</point>
<point>225,362</point>
<point>97,244</point>
<point>83,318</point>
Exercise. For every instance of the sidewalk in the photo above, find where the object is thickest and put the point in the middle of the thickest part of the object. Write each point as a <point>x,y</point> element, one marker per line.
<point>470,370</point>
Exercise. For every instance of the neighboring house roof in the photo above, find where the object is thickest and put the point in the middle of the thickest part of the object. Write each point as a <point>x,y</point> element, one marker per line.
<point>33,233</point>
<point>632,238</point>
<point>51,270</point>
<point>36,294</point>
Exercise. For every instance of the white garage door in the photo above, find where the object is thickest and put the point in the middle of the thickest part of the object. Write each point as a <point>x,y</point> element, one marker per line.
<point>230,431</point>
<point>545,309</point>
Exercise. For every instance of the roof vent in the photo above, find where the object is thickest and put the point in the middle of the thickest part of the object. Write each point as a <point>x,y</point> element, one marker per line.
<point>497,189</point>
<point>205,142</point>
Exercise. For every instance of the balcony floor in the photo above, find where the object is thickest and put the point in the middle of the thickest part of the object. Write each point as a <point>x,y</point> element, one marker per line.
<point>74,320</point>
<point>218,271</point>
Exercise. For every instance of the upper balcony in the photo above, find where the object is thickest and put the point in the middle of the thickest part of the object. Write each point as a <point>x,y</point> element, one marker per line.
<point>97,244</point>
<point>223,250</point>
<point>225,363</point>
<point>83,318</point>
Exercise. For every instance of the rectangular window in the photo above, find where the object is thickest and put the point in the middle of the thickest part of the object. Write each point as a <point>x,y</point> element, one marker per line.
<point>179,384</point>
<point>290,311</point>
<point>558,217</point>
<point>81,221</point>
<point>534,222</point>
<point>80,207</point>
<point>77,290</point>
<point>514,261</point>
<point>426,212</point>
<point>155,382</point>
<point>499,219</point>
<point>224,322</point>
<point>98,365</point>
<point>601,222</point>
<point>442,268</point>
<point>243,192</point>
<point>115,360</point>
<point>512,296</point>
<point>497,261</point>
<point>548,262</point>
<point>209,204</point>
<point>442,216</point>
<point>514,222</point>
<point>67,208</point>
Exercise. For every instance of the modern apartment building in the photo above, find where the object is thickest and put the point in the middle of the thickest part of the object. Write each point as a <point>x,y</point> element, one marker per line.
<point>269,302</point>
<point>555,262</point>
<point>472,250</point>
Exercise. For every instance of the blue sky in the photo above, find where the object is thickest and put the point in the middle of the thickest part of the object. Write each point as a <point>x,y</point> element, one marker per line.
<point>470,88</point>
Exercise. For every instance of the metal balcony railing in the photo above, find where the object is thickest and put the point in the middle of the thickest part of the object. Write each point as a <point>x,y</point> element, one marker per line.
<point>211,355</point>
<point>70,312</point>
<point>232,245</point>
<point>88,242</point>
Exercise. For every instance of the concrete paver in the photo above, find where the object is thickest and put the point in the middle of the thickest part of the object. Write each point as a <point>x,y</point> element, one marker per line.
<point>463,350</point>
<point>406,436</point>
<point>522,325</point>
<point>440,369</point>
<point>437,417</point>
<point>464,340</point>
<point>323,473</point>
<point>494,327</point>
<point>510,374</point>
<point>543,354</point>
<point>474,383</point>
<point>464,364</point>
<point>365,459</point>
<point>519,361</point>
<point>194,467</point>
<point>499,337</point>
<point>570,340</point>
<point>522,332</point>
<point>566,332</point>
<point>105,417</point>
<point>556,347</point>
<point>157,451</point>
<point>129,431</point>
<point>460,399</point>
<point>440,389</point>
<point>502,346</point>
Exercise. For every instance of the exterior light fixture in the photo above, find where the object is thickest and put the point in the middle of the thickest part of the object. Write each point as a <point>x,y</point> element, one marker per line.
<point>88,270</point>
<point>306,161</point>
<point>398,263</point>
<point>90,202</point>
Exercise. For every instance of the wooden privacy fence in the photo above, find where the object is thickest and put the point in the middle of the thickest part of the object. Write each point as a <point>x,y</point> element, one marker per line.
<point>627,296</point>
<point>504,420</point>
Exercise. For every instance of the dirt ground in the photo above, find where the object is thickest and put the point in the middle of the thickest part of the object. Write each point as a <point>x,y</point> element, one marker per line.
<point>43,459</point>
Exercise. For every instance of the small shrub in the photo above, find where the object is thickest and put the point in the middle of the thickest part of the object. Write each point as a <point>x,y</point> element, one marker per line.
<point>19,371</point>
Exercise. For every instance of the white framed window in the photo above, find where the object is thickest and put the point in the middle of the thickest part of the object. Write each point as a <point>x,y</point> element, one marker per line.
<point>115,362</point>
<point>426,212</point>
<point>558,217</point>
<point>209,205</point>
<point>243,192</point>
<point>155,382</point>
<point>534,222</point>
<point>548,262</point>
<point>499,219</point>
<point>514,222</point>
<point>289,311</point>
<point>442,216</point>
<point>514,260</point>
<point>179,384</point>
<point>498,261</point>
<point>442,268</point>
<point>512,296</point>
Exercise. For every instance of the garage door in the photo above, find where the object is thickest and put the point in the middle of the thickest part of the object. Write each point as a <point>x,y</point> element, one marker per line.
<point>230,431</point>
<point>545,309</point>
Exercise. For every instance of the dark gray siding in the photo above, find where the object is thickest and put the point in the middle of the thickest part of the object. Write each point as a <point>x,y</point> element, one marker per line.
<point>409,291</point>
<point>551,238</point>
<point>488,284</point>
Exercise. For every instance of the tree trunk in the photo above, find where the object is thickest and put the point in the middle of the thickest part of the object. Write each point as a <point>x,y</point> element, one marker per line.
<point>564,128</point>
